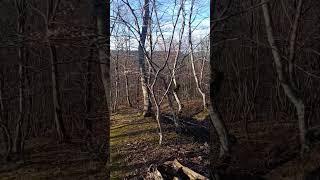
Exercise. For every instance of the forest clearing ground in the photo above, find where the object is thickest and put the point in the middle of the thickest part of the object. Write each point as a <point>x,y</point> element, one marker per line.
<point>270,147</point>
<point>134,146</point>
<point>46,159</point>
<point>271,151</point>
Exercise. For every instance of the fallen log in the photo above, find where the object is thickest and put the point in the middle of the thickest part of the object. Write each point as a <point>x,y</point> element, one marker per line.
<point>174,170</point>
<point>190,173</point>
<point>193,129</point>
<point>155,175</point>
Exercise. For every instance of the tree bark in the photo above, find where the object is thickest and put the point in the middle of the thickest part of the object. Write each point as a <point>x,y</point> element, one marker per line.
<point>127,90</point>
<point>158,115</point>
<point>60,128</point>
<point>292,45</point>
<point>215,115</point>
<point>4,125</point>
<point>216,78</point>
<point>116,71</point>
<point>128,48</point>
<point>198,86</point>
<point>21,9</point>
<point>170,103</point>
<point>175,83</point>
<point>7,138</point>
<point>18,129</point>
<point>102,9</point>
<point>141,59</point>
<point>55,89</point>
<point>88,101</point>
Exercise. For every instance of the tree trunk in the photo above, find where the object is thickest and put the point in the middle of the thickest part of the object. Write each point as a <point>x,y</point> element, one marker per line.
<point>141,59</point>
<point>203,95</point>
<point>127,90</point>
<point>198,86</point>
<point>292,45</point>
<point>26,133</point>
<point>215,84</point>
<point>116,71</point>
<point>128,48</point>
<point>60,128</point>
<point>18,129</point>
<point>170,103</point>
<point>21,9</point>
<point>7,138</point>
<point>56,97</point>
<point>158,115</point>
<point>176,97</point>
<point>102,9</point>
<point>175,83</point>
<point>4,126</point>
<point>2,112</point>
<point>284,80</point>
<point>88,102</point>
<point>215,116</point>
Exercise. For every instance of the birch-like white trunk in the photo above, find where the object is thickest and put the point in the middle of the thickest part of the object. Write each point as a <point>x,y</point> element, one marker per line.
<point>289,90</point>
<point>198,85</point>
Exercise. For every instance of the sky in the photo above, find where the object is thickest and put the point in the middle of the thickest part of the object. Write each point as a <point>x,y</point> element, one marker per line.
<point>166,8</point>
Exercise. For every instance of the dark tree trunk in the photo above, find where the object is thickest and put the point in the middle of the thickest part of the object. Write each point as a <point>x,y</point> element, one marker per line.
<point>143,74</point>
<point>101,10</point>
<point>60,128</point>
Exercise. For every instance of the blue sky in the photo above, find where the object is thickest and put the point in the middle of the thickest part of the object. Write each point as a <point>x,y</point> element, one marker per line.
<point>165,10</point>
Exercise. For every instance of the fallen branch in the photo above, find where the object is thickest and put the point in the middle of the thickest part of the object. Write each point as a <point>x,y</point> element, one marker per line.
<point>174,170</point>
<point>196,130</point>
<point>190,173</point>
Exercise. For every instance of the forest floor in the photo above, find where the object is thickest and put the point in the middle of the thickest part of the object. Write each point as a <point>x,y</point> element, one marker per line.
<point>268,149</point>
<point>135,146</point>
<point>46,159</point>
<point>265,150</point>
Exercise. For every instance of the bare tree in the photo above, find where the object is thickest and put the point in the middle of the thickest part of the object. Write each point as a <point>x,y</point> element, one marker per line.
<point>141,60</point>
<point>48,17</point>
<point>192,57</point>
<point>285,81</point>
<point>158,69</point>
<point>216,77</point>
<point>116,73</point>
<point>21,7</point>
<point>140,34</point>
<point>176,59</point>
<point>292,44</point>
<point>128,49</point>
